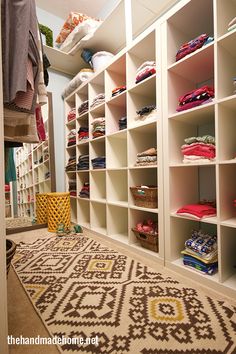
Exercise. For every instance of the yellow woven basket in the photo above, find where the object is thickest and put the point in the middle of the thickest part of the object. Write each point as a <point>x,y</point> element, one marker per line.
<point>42,208</point>
<point>58,210</point>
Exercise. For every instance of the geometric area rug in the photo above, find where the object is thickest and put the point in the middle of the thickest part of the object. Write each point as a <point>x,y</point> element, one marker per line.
<point>81,288</point>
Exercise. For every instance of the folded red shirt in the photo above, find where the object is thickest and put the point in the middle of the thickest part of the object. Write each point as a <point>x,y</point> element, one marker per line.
<point>198,211</point>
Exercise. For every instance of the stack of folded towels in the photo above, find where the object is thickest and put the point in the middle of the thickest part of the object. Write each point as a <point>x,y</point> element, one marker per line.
<point>194,44</point>
<point>71,165</point>
<point>122,123</point>
<point>99,99</point>
<point>148,68</point>
<point>83,108</point>
<point>72,187</point>
<point>147,157</point>
<point>98,127</point>
<point>198,211</point>
<point>83,133</point>
<point>201,252</point>
<point>195,98</point>
<point>99,162</point>
<point>84,193</point>
<point>199,149</point>
<point>71,138</point>
<point>83,162</point>
<point>71,115</point>
<point>232,24</point>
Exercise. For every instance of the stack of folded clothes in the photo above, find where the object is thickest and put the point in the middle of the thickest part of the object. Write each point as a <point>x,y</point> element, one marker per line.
<point>99,162</point>
<point>72,187</point>
<point>116,91</point>
<point>196,98</point>
<point>84,193</point>
<point>47,175</point>
<point>83,133</point>
<point>201,252</point>
<point>71,137</point>
<point>199,149</point>
<point>71,115</point>
<point>7,188</point>
<point>148,68</point>
<point>83,108</point>
<point>194,44</point>
<point>99,99</point>
<point>232,24</point>
<point>71,165</point>
<point>147,157</point>
<point>83,162</point>
<point>122,123</point>
<point>98,127</point>
<point>146,112</point>
<point>198,211</point>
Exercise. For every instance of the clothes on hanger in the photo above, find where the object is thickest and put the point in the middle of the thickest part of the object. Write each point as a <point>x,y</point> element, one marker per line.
<point>10,168</point>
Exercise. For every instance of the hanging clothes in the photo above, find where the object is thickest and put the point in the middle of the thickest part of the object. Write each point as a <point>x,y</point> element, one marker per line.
<point>10,168</point>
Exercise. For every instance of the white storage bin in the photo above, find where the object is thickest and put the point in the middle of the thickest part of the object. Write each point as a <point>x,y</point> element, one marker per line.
<point>101,59</point>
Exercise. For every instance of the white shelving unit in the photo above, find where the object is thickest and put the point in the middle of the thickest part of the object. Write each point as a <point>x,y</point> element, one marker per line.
<point>111,210</point>
<point>35,170</point>
<point>9,212</point>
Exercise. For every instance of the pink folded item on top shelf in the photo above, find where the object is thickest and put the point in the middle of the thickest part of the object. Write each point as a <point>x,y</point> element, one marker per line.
<point>197,211</point>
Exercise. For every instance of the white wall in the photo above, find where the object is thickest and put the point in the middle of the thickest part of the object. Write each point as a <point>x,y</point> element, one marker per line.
<point>53,22</point>
<point>107,9</point>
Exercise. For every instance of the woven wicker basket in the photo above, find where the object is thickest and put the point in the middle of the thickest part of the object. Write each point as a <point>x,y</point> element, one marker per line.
<point>145,197</point>
<point>42,208</point>
<point>11,249</point>
<point>58,210</point>
<point>147,240</point>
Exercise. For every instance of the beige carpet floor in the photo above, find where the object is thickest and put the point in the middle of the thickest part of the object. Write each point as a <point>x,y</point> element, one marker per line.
<point>82,288</point>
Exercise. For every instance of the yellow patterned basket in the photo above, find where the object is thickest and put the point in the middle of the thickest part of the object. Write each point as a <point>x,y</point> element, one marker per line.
<point>42,208</point>
<point>58,210</point>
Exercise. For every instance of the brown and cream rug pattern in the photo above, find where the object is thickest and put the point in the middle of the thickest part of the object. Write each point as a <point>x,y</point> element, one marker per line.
<point>81,288</point>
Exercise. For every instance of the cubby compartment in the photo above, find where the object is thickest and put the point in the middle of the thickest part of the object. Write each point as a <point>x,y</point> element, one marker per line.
<point>191,185</point>
<point>143,51</point>
<point>95,114</point>
<point>192,20</point>
<point>226,65</point>
<point>139,216</point>
<point>196,123</point>
<point>116,148</point>
<point>73,210</point>
<point>227,129</point>
<point>138,98</point>
<point>81,97</point>
<point>180,231</point>
<point>98,217</point>
<point>82,129</point>
<point>115,76</point>
<point>139,140</point>
<point>179,85</point>
<point>117,187</point>
<point>97,149</point>
<point>98,185</point>
<point>96,87</point>
<point>70,103</point>
<point>83,151</point>
<point>81,179</point>
<point>117,223</point>
<point>226,11</point>
<point>228,260</point>
<point>142,177</point>
<point>227,194</point>
<point>83,212</point>
<point>115,110</point>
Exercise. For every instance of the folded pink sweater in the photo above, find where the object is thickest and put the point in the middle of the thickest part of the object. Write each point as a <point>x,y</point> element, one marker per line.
<point>198,211</point>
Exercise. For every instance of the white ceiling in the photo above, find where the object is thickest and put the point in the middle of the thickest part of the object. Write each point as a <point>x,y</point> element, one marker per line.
<point>61,8</point>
